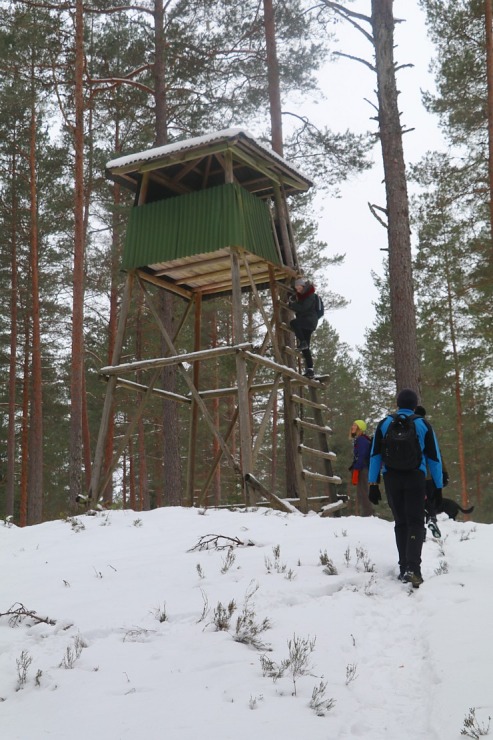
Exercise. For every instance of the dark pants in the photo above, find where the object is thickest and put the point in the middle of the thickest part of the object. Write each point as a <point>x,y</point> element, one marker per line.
<point>431,500</point>
<point>303,334</point>
<point>406,496</point>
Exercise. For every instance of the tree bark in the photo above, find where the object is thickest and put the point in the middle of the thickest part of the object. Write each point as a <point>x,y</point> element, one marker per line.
<point>75,463</point>
<point>407,370</point>
<point>10,483</point>
<point>488,17</point>
<point>35,474</point>
<point>273,78</point>
<point>172,483</point>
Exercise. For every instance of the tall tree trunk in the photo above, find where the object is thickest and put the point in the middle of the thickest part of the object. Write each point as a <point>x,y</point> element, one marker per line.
<point>457,386</point>
<point>10,483</point>
<point>399,238</point>
<point>488,17</point>
<point>25,426</point>
<point>172,483</point>
<point>35,483</point>
<point>290,256</point>
<point>88,186</point>
<point>113,320</point>
<point>142,480</point>
<point>77,365</point>
<point>273,78</point>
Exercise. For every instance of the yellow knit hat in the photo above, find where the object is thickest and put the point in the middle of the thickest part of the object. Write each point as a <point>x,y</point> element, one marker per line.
<point>361,424</point>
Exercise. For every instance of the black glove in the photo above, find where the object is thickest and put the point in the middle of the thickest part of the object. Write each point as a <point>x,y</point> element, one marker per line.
<point>374,494</point>
<point>445,478</point>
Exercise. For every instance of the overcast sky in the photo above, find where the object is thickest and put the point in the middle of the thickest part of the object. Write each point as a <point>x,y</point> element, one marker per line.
<point>346,224</point>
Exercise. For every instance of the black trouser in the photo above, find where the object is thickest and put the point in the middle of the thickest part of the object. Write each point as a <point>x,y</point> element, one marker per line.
<point>431,502</point>
<point>303,334</point>
<point>406,496</point>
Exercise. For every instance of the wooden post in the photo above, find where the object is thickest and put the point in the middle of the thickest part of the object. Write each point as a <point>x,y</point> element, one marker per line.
<point>194,416</point>
<point>241,374</point>
<point>110,390</point>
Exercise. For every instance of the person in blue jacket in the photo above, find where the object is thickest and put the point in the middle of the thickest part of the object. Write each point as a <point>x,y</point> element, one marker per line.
<point>406,489</point>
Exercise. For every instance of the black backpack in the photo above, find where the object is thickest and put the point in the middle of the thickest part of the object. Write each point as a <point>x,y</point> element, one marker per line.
<point>401,449</point>
<point>319,306</point>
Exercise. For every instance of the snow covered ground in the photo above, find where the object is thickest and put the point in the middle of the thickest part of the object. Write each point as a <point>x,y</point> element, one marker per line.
<point>132,646</point>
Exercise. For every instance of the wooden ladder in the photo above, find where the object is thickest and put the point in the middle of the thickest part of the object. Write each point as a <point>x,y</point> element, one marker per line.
<point>312,446</point>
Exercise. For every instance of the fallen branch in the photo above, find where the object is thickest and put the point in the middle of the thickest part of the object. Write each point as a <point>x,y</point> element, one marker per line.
<point>17,612</point>
<point>218,542</point>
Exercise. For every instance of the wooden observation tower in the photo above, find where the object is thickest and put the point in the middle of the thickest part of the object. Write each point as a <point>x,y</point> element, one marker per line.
<point>210,219</point>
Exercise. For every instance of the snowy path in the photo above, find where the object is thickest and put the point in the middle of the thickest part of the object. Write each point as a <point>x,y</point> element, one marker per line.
<point>397,663</point>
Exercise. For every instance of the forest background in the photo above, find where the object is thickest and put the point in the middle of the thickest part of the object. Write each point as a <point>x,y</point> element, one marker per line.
<point>85,82</point>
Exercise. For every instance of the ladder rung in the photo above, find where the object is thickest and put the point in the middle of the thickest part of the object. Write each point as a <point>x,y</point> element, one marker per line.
<point>285,305</point>
<point>330,508</point>
<point>286,286</point>
<point>290,351</point>
<point>308,498</point>
<point>285,327</point>
<point>319,476</point>
<point>308,402</point>
<point>317,453</point>
<point>309,425</point>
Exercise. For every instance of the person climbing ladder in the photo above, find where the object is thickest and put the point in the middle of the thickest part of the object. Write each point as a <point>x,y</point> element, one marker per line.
<point>305,305</point>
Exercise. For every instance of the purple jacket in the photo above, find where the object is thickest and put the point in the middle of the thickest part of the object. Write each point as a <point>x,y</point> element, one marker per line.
<point>361,452</point>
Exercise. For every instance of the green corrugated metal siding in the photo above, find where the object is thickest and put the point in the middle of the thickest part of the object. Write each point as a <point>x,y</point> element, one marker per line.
<point>197,223</point>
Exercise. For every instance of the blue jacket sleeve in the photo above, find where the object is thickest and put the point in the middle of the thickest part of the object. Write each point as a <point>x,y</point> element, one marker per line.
<point>431,453</point>
<point>376,450</point>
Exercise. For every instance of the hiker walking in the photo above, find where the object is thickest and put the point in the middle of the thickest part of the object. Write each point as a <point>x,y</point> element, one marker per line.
<point>360,463</point>
<point>404,445</point>
<point>304,303</point>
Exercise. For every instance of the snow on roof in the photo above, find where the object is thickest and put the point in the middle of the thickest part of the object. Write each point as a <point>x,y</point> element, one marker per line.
<point>197,141</point>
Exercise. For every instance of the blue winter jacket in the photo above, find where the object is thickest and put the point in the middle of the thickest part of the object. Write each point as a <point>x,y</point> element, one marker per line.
<point>427,440</point>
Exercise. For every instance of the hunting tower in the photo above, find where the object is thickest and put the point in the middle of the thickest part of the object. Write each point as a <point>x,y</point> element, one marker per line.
<point>210,219</point>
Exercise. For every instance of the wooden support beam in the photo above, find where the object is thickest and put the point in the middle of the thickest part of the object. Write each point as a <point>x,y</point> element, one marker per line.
<point>94,490</point>
<point>205,413</point>
<point>267,417</point>
<point>194,416</point>
<point>286,371</point>
<point>130,428</point>
<point>141,388</point>
<point>241,375</point>
<point>205,354</point>
<point>279,503</point>
<point>261,308</point>
<point>164,284</point>
<point>332,508</point>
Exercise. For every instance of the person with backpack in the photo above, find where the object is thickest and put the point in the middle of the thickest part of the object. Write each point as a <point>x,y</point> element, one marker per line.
<point>308,308</point>
<point>360,463</point>
<point>404,446</point>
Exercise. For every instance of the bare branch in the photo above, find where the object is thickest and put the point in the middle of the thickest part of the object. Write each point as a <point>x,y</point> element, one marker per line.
<point>213,540</point>
<point>355,59</point>
<point>17,612</point>
<point>374,208</point>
